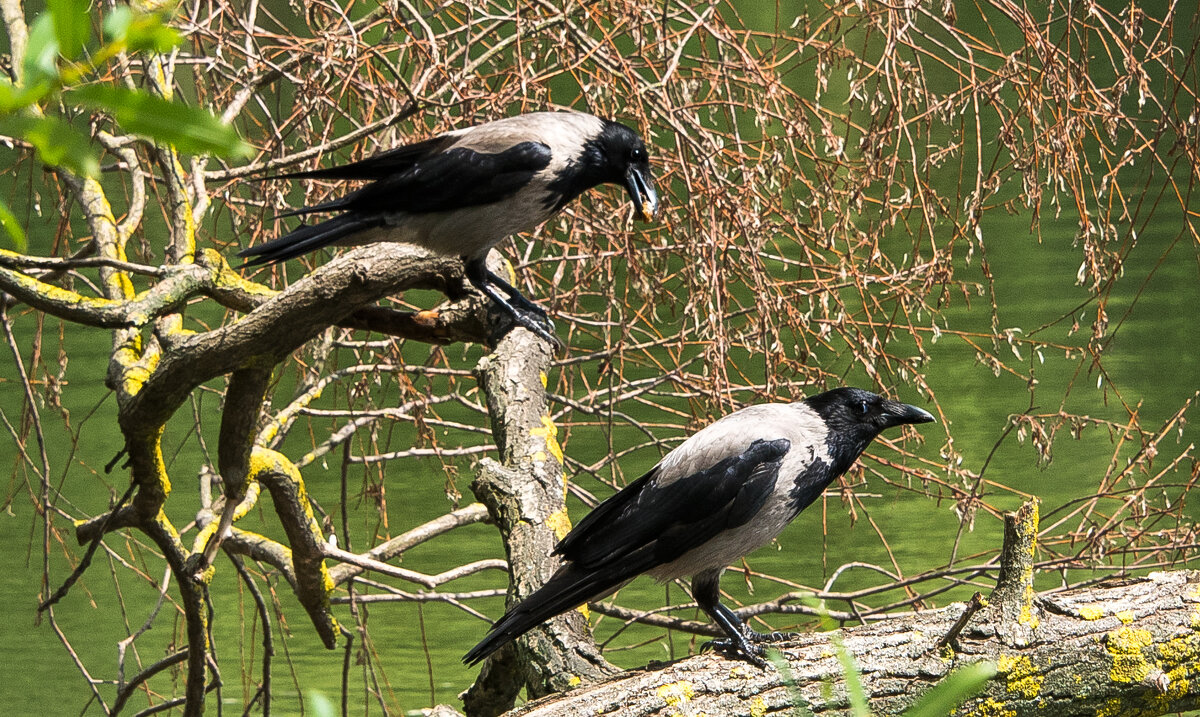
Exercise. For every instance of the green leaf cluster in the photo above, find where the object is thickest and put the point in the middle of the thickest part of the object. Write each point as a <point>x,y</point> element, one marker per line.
<point>60,58</point>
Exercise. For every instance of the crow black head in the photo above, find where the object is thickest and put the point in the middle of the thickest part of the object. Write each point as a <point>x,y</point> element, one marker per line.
<point>618,156</point>
<point>854,418</point>
<point>628,161</point>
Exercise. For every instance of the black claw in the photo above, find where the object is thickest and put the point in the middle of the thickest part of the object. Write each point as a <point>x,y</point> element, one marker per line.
<point>522,311</point>
<point>753,636</point>
<point>741,649</point>
<point>540,325</point>
<point>516,297</point>
<point>520,303</point>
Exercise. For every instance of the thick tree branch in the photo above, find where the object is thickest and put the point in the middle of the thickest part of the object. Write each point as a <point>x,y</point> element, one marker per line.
<point>526,497</point>
<point>281,324</point>
<point>191,596</point>
<point>239,418</point>
<point>264,550</point>
<point>1125,648</point>
<point>312,581</point>
<point>18,32</point>
<point>1013,596</point>
<point>181,283</point>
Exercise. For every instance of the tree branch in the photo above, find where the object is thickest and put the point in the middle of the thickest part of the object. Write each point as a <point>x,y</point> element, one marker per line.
<point>1128,647</point>
<point>526,497</point>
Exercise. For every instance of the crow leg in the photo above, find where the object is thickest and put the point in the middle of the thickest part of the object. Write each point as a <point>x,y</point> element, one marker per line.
<point>775,636</point>
<point>534,319</point>
<point>753,635</point>
<point>706,589</point>
<point>518,299</point>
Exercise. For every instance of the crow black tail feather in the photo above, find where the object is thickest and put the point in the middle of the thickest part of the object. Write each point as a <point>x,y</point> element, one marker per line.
<point>304,239</point>
<point>569,588</point>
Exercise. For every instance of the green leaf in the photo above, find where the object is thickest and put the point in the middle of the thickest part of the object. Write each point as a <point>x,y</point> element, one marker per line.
<point>799,707</point>
<point>140,31</point>
<point>9,222</point>
<point>190,130</point>
<point>855,691</point>
<point>41,53</point>
<point>72,25</point>
<point>956,688</point>
<point>18,97</point>
<point>116,23</point>
<point>57,143</point>
<point>854,686</point>
<point>319,704</point>
<point>148,33</point>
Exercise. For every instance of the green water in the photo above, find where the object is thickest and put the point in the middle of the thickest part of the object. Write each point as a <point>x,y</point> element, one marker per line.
<point>1152,360</point>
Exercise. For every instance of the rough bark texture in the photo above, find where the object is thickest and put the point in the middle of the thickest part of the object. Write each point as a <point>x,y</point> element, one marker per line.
<point>1121,649</point>
<point>526,497</point>
<point>154,373</point>
<point>1013,595</point>
<point>1128,647</point>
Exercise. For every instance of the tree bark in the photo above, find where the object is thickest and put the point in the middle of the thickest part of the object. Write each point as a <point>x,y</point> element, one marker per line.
<point>526,497</point>
<point>1128,647</point>
<point>1132,647</point>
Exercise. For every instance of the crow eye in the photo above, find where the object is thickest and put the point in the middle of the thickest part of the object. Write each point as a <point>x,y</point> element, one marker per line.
<point>863,408</point>
<point>638,155</point>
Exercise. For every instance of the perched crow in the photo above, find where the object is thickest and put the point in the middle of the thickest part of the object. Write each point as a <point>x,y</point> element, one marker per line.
<point>462,192</point>
<point>722,493</point>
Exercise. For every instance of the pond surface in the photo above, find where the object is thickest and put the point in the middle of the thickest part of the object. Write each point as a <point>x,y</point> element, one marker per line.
<point>1153,360</point>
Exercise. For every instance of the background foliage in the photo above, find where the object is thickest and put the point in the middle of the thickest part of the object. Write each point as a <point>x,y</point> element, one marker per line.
<point>860,193</point>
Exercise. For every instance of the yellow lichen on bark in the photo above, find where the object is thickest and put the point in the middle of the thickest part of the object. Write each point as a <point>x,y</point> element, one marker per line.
<point>239,511</point>
<point>560,523</point>
<point>992,708</point>
<point>289,494</point>
<point>676,693</point>
<point>549,432</point>
<point>1126,645</point>
<point>227,278</point>
<point>1021,676</point>
<point>1030,524</point>
<point>154,483</point>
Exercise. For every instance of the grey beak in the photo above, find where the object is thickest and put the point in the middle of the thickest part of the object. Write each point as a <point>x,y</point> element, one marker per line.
<point>904,413</point>
<point>641,191</point>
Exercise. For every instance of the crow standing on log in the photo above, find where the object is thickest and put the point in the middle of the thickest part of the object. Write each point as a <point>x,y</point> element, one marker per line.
<point>462,192</point>
<point>727,490</point>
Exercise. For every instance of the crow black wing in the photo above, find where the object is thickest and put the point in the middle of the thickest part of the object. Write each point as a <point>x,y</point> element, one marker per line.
<point>646,525</point>
<point>441,182</point>
<point>641,526</point>
<point>384,164</point>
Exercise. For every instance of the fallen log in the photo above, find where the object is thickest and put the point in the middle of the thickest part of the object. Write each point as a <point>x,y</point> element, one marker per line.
<point>1126,647</point>
<point>1121,649</point>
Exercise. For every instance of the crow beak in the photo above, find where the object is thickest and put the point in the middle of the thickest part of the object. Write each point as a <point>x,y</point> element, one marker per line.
<point>641,191</point>
<point>904,413</point>
<point>912,414</point>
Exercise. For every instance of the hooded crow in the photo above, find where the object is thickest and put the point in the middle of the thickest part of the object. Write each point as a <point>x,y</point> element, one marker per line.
<point>724,492</point>
<point>462,192</point>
